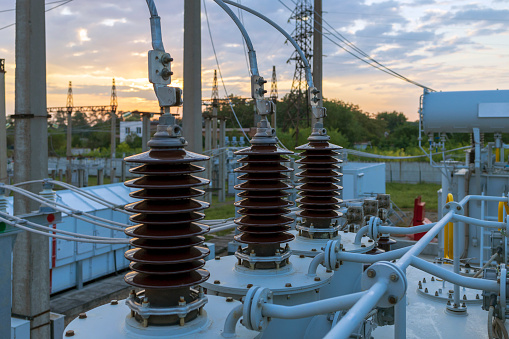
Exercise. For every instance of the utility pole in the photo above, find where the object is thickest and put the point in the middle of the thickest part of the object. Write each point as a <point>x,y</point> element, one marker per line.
<point>215,105</point>
<point>222,160</point>
<point>317,53</point>
<point>69,105</point>
<point>3,126</point>
<point>145,132</point>
<point>113,144</point>
<point>274,95</point>
<point>30,293</point>
<point>192,113</point>
<point>208,148</point>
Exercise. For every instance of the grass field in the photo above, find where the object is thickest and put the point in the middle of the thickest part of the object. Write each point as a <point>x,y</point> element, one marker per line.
<point>220,210</point>
<point>403,195</point>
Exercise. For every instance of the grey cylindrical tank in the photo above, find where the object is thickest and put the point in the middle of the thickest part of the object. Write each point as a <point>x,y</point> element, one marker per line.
<point>460,112</point>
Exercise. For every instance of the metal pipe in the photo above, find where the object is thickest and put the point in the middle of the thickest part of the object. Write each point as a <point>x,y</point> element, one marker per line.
<point>356,314</point>
<point>481,223</point>
<point>309,75</point>
<point>406,230</point>
<point>313,266</point>
<point>481,198</point>
<point>313,308</point>
<point>369,259</point>
<point>253,64</point>
<point>360,233</point>
<point>424,241</point>
<point>231,321</point>
<point>228,226</point>
<point>475,283</point>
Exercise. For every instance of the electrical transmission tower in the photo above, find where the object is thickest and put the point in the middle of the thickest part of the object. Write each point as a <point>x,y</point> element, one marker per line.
<point>70,103</point>
<point>273,85</point>
<point>113,99</point>
<point>303,33</point>
<point>215,91</point>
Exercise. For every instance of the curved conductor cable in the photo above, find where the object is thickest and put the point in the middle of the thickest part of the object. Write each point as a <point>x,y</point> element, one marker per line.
<point>94,241</point>
<point>253,64</point>
<point>155,27</point>
<point>309,74</point>
<point>18,221</point>
<point>68,210</point>
<point>318,111</point>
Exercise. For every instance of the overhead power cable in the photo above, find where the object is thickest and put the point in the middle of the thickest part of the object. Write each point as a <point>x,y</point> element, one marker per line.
<point>47,3</point>
<point>219,70</point>
<point>354,49</point>
<point>64,2</point>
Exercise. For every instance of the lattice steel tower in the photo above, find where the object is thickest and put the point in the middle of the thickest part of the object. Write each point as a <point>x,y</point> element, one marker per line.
<point>113,99</point>
<point>70,103</point>
<point>273,86</point>
<point>303,34</point>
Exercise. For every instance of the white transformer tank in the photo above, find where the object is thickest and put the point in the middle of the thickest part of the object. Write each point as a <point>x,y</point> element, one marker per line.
<point>460,112</point>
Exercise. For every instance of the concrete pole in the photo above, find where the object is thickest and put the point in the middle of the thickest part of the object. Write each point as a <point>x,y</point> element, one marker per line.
<point>192,115</point>
<point>214,127</point>
<point>214,147</point>
<point>222,162</point>
<point>317,51</point>
<point>113,146</point>
<point>208,148</point>
<point>30,293</point>
<point>100,176</point>
<point>6,241</point>
<point>145,131</point>
<point>69,147</point>
<point>3,129</point>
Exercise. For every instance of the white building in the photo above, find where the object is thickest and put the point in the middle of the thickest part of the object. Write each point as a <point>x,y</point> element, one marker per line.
<point>130,127</point>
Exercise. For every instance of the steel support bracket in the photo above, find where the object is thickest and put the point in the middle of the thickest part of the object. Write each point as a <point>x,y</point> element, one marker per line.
<point>257,87</point>
<point>453,206</point>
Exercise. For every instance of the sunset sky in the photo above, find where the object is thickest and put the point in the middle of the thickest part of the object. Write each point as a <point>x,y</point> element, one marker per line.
<point>446,45</point>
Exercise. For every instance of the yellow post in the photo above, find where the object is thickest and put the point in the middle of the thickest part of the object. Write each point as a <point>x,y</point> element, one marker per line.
<point>497,154</point>
<point>448,235</point>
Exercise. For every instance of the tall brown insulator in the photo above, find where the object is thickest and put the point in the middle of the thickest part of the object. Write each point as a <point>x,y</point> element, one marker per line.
<point>263,225</point>
<point>167,260</point>
<point>319,189</point>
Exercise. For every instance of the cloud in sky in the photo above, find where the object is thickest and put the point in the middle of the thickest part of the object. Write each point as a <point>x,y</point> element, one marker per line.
<point>449,45</point>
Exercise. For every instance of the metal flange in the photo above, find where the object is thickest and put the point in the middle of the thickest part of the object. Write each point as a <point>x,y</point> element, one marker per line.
<point>373,224</point>
<point>253,318</point>
<point>396,286</point>
<point>331,252</point>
